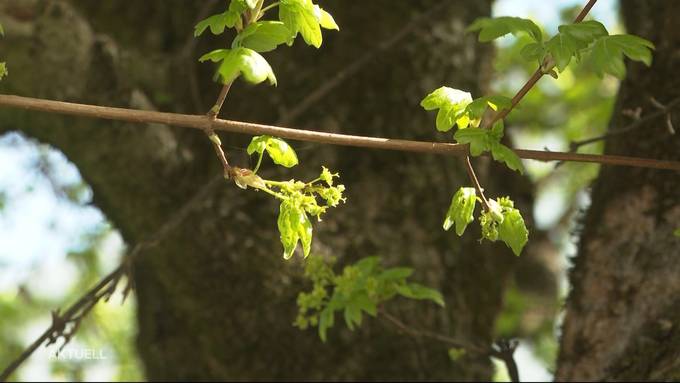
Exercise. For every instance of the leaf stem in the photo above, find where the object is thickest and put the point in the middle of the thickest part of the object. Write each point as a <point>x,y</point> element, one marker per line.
<point>259,162</point>
<point>268,7</point>
<point>215,110</point>
<point>475,182</point>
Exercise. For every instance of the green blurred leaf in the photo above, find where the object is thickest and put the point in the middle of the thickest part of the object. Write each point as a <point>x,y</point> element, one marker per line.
<point>461,210</point>
<point>677,232</point>
<point>533,51</point>
<point>607,53</point>
<point>326,321</point>
<point>417,291</point>
<point>396,273</point>
<point>493,28</point>
<point>571,39</point>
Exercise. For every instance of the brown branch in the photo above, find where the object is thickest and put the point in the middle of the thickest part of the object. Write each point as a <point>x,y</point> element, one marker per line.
<point>502,350</point>
<point>204,123</point>
<point>215,110</point>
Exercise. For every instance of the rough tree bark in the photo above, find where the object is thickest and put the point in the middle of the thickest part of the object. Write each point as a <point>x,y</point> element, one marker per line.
<point>215,299</point>
<point>624,309</point>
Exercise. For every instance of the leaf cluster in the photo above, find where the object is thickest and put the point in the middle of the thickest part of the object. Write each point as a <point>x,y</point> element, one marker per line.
<point>243,58</point>
<point>500,221</point>
<point>589,39</point>
<point>358,290</point>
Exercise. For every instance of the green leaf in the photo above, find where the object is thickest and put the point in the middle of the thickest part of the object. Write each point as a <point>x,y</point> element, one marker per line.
<point>461,210</point>
<point>493,28</point>
<point>479,139</point>
<point>294,226</point>
<point>263,36</point>
<point>363,302</point>
<point>217,23</point>
<point>251,3</point>
<point>279,150</point>
<point>2,30</point>
<point>607,53</point>
<point>352,315</point>
<point>451,104</point>
<point>502,153</point>
<point>533,51</point>
<point>287,223</point>
<point>573,38</point>
<point>326,321</point>
<point>677,232</point>
<point>368,264</point>
<point>326,20</point>
<point>241,61</point>
<point>477,107</point>
<point>300,17</point>
<point>396,273</point>
<point>3,70</point>
<point>417,291</point>
<point>513,231</point>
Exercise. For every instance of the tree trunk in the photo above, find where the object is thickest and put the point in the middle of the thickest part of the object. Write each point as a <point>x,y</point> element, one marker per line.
<point>624,309</point>
<point>215,298</point>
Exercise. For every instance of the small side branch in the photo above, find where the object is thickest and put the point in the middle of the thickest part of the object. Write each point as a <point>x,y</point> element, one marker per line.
<point>502,350</point>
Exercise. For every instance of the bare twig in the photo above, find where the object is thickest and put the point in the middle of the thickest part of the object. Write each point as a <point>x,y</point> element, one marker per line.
<point>502,350</point>
<point>203,123</point>
<point>106,286</point>
<point>665,110</point>
<point>215,110</point>
<point>475,182</point>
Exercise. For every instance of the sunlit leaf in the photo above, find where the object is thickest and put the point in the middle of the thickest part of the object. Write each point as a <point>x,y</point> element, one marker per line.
<point>461,210</point>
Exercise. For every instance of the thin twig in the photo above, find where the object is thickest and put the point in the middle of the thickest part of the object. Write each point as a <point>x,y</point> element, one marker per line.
<point>106,286</point>
<point>203,123</point>
<point>630,127</point>
<point>215,110</point>
<point>502,350</point>
<point>475,182</point>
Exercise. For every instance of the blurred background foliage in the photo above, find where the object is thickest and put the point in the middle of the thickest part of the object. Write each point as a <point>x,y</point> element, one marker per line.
<point>41,192</point>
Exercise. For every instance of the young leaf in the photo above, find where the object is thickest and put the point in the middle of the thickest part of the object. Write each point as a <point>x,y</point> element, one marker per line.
<point>479,139</point>
<point>451,104</point>
<point>217,23</point>
<point>294,226</point>
<point>326,20</point>
<point>396,273</point>
<point>461,210</point>
<point>262,36</point>
<point>533,51</point>
<point>502,153</point>
<point>493,28</point>
<point>477,107</point>
<point>512,230</point>
<point>573,38</point>
<point>607,53</point>
<point>307,19</point>
<point>3,70</point>
<point>235,62</point>
<point>326,321</point>
<point>417,291</point>
<point>279,150</point>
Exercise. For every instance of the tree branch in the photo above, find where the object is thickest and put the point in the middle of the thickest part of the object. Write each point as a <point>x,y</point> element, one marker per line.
<point>203,123</point>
